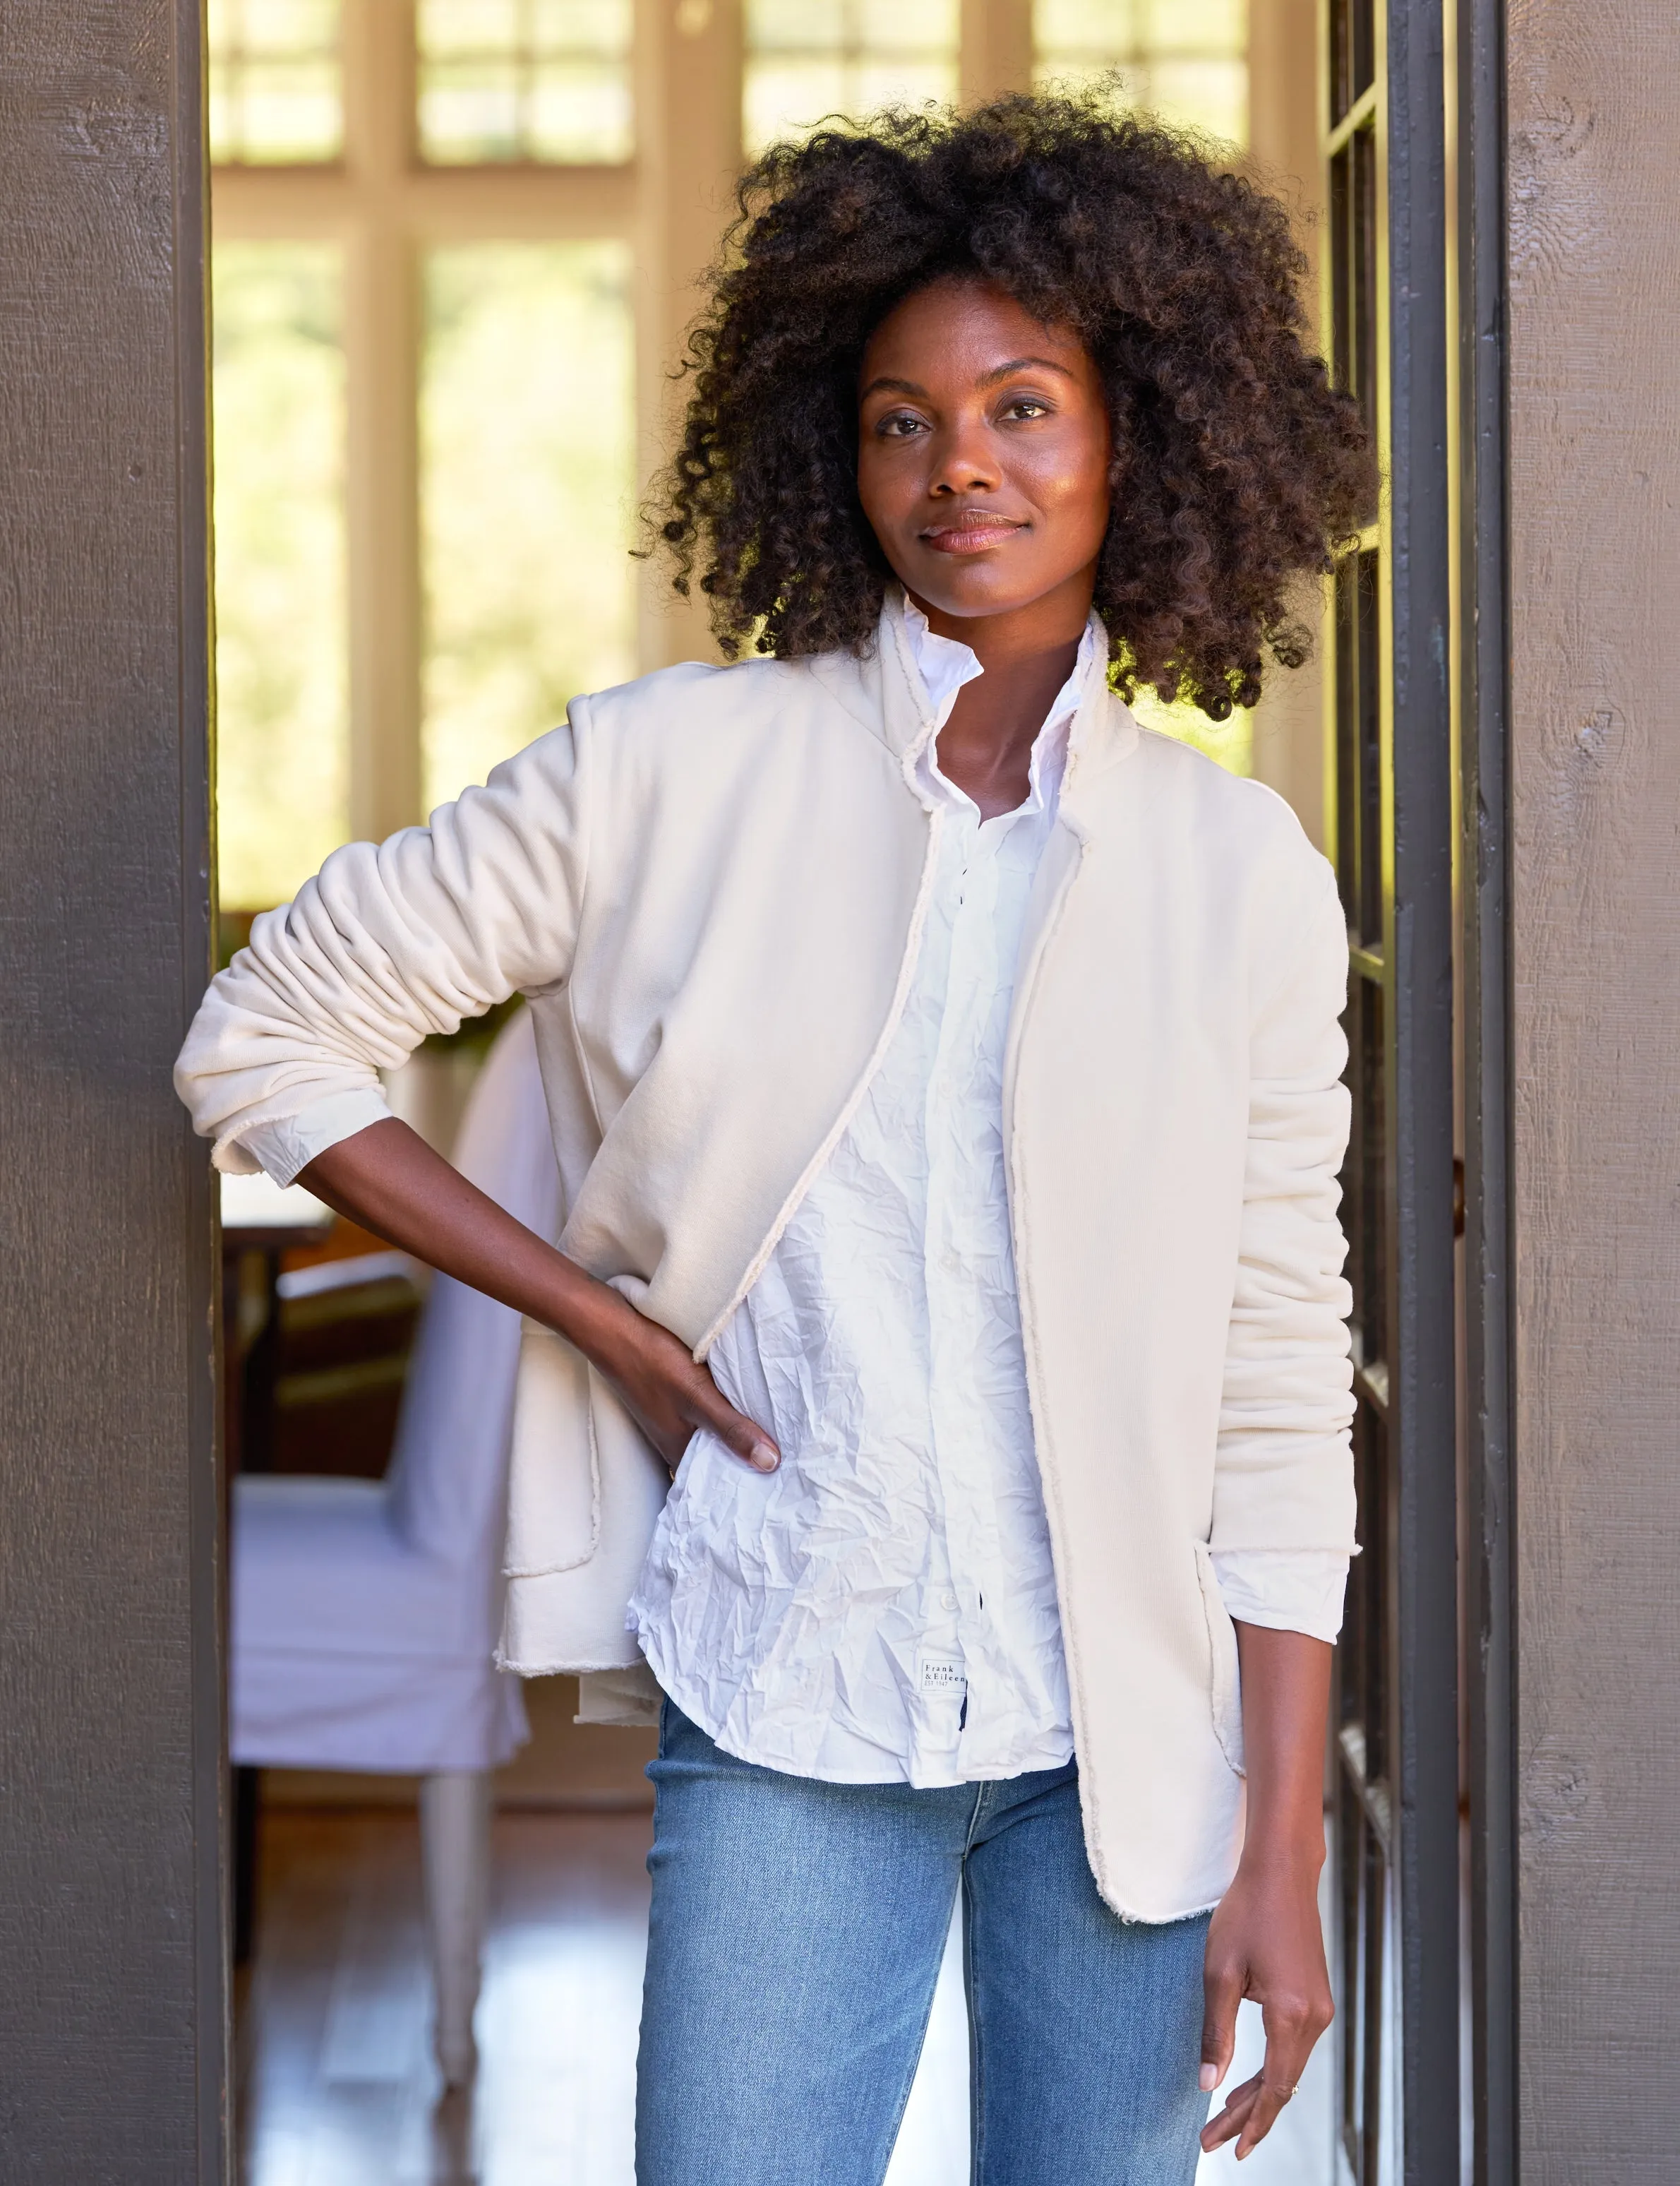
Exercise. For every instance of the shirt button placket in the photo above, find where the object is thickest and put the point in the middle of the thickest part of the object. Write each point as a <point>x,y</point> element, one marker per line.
<point>967,996</point>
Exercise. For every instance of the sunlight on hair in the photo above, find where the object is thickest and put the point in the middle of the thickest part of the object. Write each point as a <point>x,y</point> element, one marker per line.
<point>1231,742</point>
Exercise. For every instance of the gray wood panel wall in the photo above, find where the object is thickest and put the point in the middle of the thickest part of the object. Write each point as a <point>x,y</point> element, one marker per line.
<point>1594,457</point>
<point>113,2010</point>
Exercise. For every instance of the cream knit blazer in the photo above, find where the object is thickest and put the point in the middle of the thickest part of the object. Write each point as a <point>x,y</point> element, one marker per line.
<point>709,885</point>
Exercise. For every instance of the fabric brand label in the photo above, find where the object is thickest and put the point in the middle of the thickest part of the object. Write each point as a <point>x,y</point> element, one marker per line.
<point>940,1674</point>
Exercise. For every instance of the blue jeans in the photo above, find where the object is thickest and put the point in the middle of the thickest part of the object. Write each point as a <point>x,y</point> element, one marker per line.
<point>795,1937</point>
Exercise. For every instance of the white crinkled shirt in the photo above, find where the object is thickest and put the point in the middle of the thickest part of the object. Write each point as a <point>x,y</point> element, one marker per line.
<point>883,1607</point>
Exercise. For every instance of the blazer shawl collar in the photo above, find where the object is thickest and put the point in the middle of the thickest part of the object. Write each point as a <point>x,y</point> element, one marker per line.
<point>880,687</point>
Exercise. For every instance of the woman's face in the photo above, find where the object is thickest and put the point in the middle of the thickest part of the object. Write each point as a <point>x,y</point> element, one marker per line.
<point>984,450</point>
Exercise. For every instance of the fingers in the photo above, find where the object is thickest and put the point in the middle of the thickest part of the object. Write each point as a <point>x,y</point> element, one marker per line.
<point>668,1392</point>
<point>1222,1992</point>
<point>1262,2116</point>
<point>719,1416</point>
<point>1292,2026</point>
<point>1252,2110</point>
<point>1231,2120</point>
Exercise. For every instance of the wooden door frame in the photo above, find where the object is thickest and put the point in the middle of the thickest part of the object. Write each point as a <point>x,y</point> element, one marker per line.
<point>1419,940</point>
<point>1478,461</point>
<point>114,2014</point>
<point>1413,968</point>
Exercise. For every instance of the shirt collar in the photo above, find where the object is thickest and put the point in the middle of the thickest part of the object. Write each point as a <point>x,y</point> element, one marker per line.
<point>880,687</point>
<point>945,665</point>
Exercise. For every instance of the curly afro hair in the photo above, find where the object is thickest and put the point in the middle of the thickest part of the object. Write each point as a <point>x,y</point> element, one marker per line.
<point>1236,466</point>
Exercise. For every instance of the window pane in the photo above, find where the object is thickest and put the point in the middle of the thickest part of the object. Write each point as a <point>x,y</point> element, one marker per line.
<point>542,80</point>
<point>1218,28</point>
<point>274,95</point>
<point>527,488</point>
<point>281,708</point>
<point>1185,60</point>
<point>1091,28</point>
<point>1202,94</point>
<point>809,58</point>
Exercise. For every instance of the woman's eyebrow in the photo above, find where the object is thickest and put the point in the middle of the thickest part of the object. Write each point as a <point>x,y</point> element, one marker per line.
<point>1022,364</point>
<point>886,383</point>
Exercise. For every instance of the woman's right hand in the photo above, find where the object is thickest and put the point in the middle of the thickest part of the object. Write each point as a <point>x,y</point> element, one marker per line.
<point>388,1180</point>
<point>667,1393</point>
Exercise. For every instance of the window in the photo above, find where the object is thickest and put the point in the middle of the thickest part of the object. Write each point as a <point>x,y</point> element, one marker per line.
<point>527,448</point>
<point>275,93</point>
<point>1184,59</point>
<point>283,752</point>
<point>403,600</point>
<point>452,267</point>
<point>809,58</point>
<point>523,80</point>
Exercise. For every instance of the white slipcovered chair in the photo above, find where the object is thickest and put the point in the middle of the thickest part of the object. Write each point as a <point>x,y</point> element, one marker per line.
<point>366,1614</point>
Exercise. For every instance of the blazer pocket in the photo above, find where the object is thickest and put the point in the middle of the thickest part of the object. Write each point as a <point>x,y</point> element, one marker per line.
<point>1225,1672</point>
<point>554,1465</point>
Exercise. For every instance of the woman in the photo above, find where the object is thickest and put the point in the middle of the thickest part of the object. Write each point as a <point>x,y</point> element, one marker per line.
<point>945,1081</point>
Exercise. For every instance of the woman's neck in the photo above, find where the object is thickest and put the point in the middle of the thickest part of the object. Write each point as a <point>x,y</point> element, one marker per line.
<point>1028,654</point>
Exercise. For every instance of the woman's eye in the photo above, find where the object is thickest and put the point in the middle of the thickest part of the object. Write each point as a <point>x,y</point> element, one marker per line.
<point>900,426</point>
<point>1027,405</point>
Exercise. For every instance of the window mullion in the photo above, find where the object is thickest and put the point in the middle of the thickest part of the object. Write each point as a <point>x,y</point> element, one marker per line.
<point>688,79</point>
<point>381,341</point>
<point>997,49</point>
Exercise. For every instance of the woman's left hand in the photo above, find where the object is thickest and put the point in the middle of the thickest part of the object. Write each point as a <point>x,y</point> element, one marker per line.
<point>1264,1942</point>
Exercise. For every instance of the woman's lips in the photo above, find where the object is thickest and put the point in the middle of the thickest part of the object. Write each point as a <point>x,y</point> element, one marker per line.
<point>971,534</point>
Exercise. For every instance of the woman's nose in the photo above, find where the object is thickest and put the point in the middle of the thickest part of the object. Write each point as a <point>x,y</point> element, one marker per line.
<point>965,461</point>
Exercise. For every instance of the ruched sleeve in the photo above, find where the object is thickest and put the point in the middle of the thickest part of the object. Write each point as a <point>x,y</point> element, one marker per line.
<point>391,942</point>
<point>1284,1476</point>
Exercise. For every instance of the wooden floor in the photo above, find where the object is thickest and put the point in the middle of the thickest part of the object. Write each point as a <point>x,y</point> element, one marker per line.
<point>335,2084</point>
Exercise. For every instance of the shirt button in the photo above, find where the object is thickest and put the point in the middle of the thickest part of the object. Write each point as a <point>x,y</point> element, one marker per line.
<point>947,1601</point>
